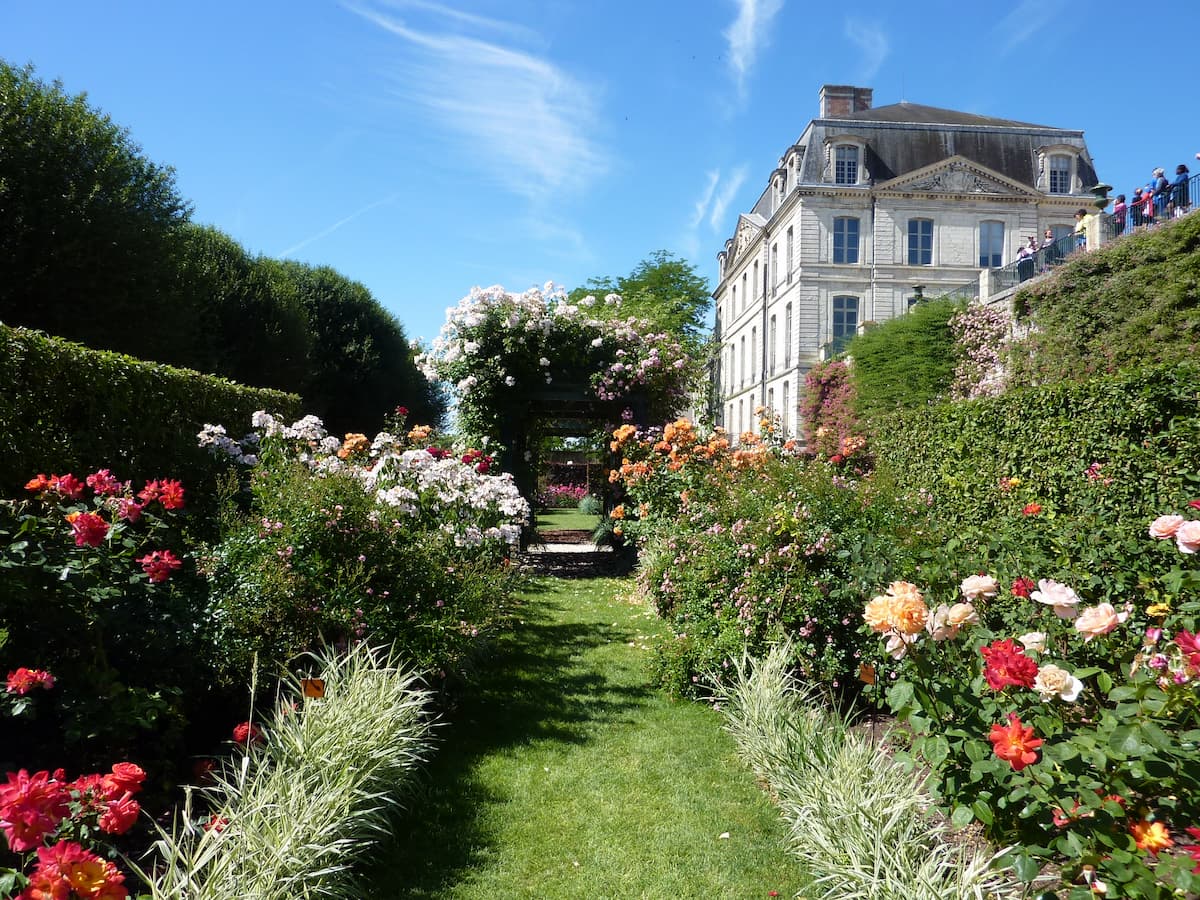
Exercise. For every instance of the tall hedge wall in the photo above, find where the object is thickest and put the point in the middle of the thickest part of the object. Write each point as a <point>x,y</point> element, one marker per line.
<point>1142,426</point>
<point>67,408</point>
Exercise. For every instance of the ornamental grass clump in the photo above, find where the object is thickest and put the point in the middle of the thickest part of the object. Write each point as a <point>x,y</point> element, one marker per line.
<point>858,821</point>
<point>290,816</point>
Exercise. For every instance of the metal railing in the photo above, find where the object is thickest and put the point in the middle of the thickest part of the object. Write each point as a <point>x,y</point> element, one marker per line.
<point>1178,200</point>
<point>1046,258</point>
<point>968,291</point>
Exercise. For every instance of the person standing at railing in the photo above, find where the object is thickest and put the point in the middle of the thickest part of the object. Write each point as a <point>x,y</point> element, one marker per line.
<point>1120,213</point>
<point>1081,223</point>
<point>1161,190</point>
<point>1180,201</point>
<point>1025,260</point>
<point>1051,252</point>
<point>1137,209</point>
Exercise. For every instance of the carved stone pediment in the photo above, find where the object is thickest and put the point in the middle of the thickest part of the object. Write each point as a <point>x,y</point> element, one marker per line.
<point>956,175</point>
<point>747,232</point>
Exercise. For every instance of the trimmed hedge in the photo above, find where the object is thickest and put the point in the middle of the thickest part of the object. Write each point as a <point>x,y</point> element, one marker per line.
<point>67,408</point>
<point>1142,426</point>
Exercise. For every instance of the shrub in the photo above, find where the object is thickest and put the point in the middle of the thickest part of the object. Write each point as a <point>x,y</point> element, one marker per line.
<point>562,496</point>
<point>67,408</point>
<point>827,413</point>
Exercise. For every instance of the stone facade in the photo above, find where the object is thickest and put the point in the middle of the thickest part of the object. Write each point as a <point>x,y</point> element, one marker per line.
<point>864,207</point>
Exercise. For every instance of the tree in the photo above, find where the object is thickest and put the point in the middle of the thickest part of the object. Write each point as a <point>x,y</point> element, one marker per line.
<point>662,289</point>
<point>86,224</point>
<point>361,366</point>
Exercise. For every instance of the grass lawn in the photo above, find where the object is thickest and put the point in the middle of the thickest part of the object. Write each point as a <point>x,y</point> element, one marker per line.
<point>564,519</point>
<point>563,774</point>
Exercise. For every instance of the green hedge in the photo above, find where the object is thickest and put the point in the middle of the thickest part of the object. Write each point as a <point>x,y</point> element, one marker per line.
<point>67,408</point>
<point>1143,427</point>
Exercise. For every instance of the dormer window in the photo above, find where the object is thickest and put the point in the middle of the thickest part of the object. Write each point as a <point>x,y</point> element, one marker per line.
<point>1060,174</point>
<point>845,164</point>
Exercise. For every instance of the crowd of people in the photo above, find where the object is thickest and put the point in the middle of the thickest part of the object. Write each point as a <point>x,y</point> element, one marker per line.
<point>1159,200</point>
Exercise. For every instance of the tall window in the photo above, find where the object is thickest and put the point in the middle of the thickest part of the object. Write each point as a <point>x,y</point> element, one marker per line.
<point>920,242</point>
<point>773,340</point>
<point>845,240</point>
<point>845,164</point>
<point>753,420</point>
<point>845,321</point>
<point>991,245</point>
<point>771,403</point>
<point>753,355</point>
<point>729,421</point>
<point>774,276</point>
<point>733,303</point>
<point>741,409</point>
<point>745,295</point>
<point>742,366</point>
<point>790,243</point>
<point>1060,174</point>
<point>786,415</point>
<point>787,336</point>
<point>757,283</point>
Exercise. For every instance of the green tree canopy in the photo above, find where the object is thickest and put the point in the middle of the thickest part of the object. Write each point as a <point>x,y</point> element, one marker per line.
<point>86,223</point>
<point>662,289</point>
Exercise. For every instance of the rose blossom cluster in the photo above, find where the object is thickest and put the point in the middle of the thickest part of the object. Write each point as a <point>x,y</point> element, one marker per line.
<point>115,507</point>
<point>35,808</point>
<point>1186,532</point>
<point>901,614</point>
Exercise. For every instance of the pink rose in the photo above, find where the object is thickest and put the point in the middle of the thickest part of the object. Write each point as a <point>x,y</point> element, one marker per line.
<point>976,586</point>
<point>1165,527</point>
<point>1061,597</point>
<point>1187,537</point>
<point>1097,620</point>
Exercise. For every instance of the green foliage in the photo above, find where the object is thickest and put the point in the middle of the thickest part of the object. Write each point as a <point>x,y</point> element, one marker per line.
<point>255,329</point>
<point>87,224</point>
<point>68,408</point>
<point>904,362</point>
<point>1134,302</point>
<point>827,408</point>
<point>361,366</point>
<point>1142,427</point>
<point>662,289</point>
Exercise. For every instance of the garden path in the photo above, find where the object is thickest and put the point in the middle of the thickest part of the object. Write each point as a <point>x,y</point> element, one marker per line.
<point>563,773</point>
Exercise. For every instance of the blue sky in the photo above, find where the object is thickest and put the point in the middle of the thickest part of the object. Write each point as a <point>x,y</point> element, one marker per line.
<point>422,147</point>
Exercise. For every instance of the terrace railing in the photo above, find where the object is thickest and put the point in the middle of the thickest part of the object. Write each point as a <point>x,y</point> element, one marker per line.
<point>1146,213</point>
<point>1046,258</point>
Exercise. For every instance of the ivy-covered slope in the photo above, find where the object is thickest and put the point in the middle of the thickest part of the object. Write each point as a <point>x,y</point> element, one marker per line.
<point>1133,303</point>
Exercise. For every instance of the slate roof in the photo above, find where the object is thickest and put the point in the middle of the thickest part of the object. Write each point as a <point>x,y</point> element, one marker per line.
<point>932,115</point>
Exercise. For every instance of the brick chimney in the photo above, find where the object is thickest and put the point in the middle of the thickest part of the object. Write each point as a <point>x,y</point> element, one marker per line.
<point>839,100</point>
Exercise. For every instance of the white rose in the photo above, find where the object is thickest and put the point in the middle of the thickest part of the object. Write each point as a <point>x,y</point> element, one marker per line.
<point>1054,682</point>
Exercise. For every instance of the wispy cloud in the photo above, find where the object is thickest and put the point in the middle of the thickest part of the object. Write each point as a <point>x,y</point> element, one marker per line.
<point>749,33</point>
<point>725,196</point>
<point>710,206</point>
<point>872,40</point>
<point>517,117</point>
<point>440,9</point>
<point>325,232</point>
<point>1024,21</point>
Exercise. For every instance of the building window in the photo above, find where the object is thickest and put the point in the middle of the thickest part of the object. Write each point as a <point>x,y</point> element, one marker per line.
<point>757,283</point>
<point>742,366</point>
<point>787,336</point>
<point>1060,174</point>
<point>729,421</point>
<point>744,294</point>
<point>774,276</point>
<point>845,321</point>
<point>920,242</point>
<point>991,245</point>
<point>733,303</point>
<point>790,243</point>
<point>845,240</point>
<point>773,339</point>
<point>786,411</point>
<point>741,409</point>
<point>770,404</point>
<point>753,416</point>
<point>753,355</point>
<point>845,164</point>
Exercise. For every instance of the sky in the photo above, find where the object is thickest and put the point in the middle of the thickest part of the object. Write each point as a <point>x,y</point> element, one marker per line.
<point>422,147</point>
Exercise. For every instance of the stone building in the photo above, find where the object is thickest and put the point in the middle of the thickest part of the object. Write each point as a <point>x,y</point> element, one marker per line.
<point>866,206</point>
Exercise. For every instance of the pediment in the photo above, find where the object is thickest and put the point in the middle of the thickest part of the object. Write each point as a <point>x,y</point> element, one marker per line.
<point>957,175</point>
<point>747,232</point>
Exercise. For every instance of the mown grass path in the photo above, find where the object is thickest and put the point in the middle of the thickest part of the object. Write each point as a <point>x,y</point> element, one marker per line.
<point>564,774</point>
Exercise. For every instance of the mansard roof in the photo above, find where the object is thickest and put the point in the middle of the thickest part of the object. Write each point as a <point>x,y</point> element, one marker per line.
<point>905,137</point>
<point>932,115</point>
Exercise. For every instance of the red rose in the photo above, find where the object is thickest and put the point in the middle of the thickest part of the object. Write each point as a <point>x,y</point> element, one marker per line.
<point>119,815</point>
<point>247,733</point>
<point>1008,665</point>
<point>90,529</point>
<point>127,776</point>
<point>159,565</point>
<point>23,680</point>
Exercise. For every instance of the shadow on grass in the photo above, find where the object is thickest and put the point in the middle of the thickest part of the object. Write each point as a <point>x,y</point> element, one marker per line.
<point>531,689</point>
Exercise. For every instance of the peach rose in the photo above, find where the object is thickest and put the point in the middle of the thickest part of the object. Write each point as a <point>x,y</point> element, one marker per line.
<point>963,614</point>
<point>976,586</point>
<point>1165,527</point>
<point>1187,538</point>
<point>878,612</point>
<point>938,624</point>
<point>1097,620</point>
